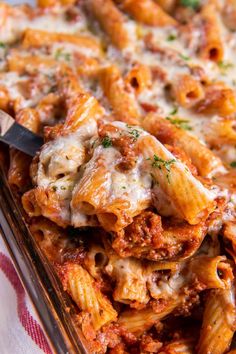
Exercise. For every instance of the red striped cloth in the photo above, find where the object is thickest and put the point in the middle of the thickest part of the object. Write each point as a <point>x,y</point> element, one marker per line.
<point>20,330</point>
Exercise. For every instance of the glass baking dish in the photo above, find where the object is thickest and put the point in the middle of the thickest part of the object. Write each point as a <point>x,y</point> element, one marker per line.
<point>53,305</point>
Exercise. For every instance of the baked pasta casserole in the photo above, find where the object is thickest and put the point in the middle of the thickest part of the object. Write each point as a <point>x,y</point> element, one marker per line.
<point>132,197</point>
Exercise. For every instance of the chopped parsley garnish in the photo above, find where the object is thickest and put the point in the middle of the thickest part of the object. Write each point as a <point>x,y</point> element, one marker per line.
<point>233,164</point>
<point>106,142</point>
<point>190,3</point>
<point>123,187</point>
<point>174,111</point>
<point>180,123</point>
<point>2,45</point>
<point>184,57</point>
<point>171,37</point>
<point>54,188</point>
<point>134,132</point>
<point>63,188</point>
<point>224,66</point>
<point>62,55</point>
<point>160,163</point>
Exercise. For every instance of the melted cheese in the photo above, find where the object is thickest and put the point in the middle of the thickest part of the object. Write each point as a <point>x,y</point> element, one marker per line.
<point>64,166</point>
<point>64,156</point>
<point>18,20</point>
<point>183,45</point>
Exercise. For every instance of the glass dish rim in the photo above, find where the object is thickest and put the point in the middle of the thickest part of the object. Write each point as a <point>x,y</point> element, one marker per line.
<point>40,281</point>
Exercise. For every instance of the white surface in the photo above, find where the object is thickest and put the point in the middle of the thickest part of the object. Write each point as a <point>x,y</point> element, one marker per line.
<point>13,337</point>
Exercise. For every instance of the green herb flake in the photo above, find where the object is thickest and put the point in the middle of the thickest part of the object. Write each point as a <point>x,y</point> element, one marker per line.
<point>180,123</point>
<point>106,142</point>
<point>184,57</point>
<point>63,188</point>
<point>62,55</point>
<point>174,111</point>
<point>233,164</point>
<point>171,38</point>
<point>160,163</point>
<point>54,188</point>
<point>224,65</point>
<point>123,187</point>
<point>2,45</point>
<point>194,4</point>
<point>134,132</point>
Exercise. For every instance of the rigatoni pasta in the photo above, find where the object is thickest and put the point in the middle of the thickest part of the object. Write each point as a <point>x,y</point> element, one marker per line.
<point>119,95</point>
<point>147,12</point>
<point>112,20</point>
<point>86,294</point>
<point>218,322</point>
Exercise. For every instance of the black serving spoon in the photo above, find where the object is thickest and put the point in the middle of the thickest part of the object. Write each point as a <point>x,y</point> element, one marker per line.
<point>17,136</point>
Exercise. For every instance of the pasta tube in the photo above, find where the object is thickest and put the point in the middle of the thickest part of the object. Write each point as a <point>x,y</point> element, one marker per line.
<point>95,261</point>
<point>52,240</point>
<point>114,206</point>
<point>81,106</point>
<point>18,173</point>
<point>30,63</point>
<point>86,294</point>
<point>218,322</point>
<point>121,99</point>
<point>203,158</point>
<point>187,197</point>
<point>221,132</point>
<point>130,279</point>
<point>213,272</point>
<point>219,99</point>
<point>212,46</point>
<point>39,38</point>
<point>167,5</point>
<point>187,91</point>
<point>4,98</point>
<point>148,12</point>
<point>182,346</point>
<point>112,21</point>
<point>51,3</point>
<point>139,321</point>
<point>139,77</point>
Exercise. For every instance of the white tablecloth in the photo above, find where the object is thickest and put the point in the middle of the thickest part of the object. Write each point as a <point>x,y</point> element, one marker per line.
<point>20,331</point>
